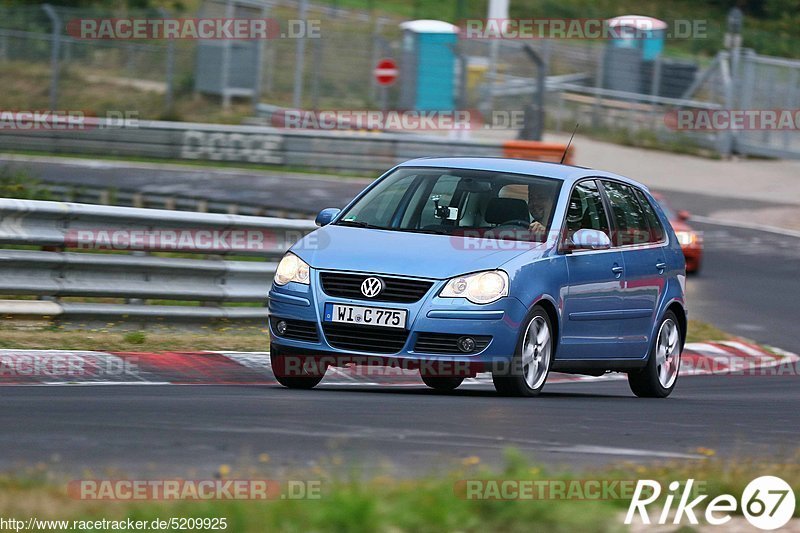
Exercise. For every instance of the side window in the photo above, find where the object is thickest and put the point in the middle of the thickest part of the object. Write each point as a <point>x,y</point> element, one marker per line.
<point>586,210</point>
<point>629,217</point>
<point>657,233</point>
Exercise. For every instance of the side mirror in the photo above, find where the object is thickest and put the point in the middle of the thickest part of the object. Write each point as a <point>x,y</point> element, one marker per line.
<point>683,215</point>
<point>590,239</point>
<point>326,215</point>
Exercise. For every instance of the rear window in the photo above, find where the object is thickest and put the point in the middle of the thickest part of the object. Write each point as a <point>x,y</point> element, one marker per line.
<point>657,233</point>
<point>629,217</point>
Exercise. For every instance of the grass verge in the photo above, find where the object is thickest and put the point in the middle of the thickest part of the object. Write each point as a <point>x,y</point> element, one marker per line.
<point>232,338</point>
<point>436,502</point>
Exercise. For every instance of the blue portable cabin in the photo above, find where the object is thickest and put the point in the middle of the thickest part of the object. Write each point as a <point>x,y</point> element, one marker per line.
<point>635,42</point>
<point>428,68</point>
<point>643,33</point>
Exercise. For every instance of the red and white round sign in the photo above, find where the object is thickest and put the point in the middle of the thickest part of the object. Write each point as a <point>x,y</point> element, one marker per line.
<point>386,72</point>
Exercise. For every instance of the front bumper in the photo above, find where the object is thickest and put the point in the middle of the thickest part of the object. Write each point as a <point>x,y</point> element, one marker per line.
<point>499,320</point>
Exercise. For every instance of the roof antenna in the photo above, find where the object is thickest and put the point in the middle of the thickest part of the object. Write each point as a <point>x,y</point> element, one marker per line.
<point>564,156</point>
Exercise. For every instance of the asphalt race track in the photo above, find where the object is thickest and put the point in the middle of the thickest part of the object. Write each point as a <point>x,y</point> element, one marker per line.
<point>749,286</point>
<point>172,429</point>
<point>306,193</point>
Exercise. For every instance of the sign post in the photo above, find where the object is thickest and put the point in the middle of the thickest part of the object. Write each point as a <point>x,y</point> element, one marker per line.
<point>385,73</point>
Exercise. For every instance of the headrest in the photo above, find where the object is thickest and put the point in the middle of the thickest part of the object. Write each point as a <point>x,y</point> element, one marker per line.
<point>502,210</point>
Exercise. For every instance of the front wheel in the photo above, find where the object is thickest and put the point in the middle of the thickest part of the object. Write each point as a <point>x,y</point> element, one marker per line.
<point>294,372</point>
<point>532,360</point>
<point>658,378</point>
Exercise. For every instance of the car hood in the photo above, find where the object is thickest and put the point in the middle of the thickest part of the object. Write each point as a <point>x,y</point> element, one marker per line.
<point>407,254</point>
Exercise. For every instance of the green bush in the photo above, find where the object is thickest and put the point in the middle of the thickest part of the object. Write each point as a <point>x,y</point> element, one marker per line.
<point>18,184</point>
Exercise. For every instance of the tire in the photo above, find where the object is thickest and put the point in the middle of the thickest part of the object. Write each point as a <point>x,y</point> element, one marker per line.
<point>305,378</point>
<point>445,384</point>
<point>532,360</point>
<point>658,378</point>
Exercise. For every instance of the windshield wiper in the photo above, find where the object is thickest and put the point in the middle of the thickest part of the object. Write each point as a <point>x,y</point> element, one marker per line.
<point>362,224</point>
<point>420,230</point>
<point>359,224</point>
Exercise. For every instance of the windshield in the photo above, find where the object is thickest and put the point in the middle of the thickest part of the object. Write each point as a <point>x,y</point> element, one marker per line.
<point>459,202</point>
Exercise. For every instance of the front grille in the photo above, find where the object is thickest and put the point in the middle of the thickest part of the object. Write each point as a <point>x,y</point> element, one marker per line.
<point>365,338</point>
<point>401,290</point>
<point>445,343</point>
<point>300,330</point>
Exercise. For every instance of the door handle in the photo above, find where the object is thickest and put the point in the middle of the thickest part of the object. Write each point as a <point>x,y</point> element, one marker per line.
<point>661,266</point>
<point>617,269</point>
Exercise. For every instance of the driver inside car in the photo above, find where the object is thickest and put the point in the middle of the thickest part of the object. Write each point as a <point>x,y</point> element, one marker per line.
<point>540,206</point>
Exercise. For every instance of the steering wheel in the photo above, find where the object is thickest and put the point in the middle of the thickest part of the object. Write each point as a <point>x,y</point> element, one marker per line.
<point>517,222</point>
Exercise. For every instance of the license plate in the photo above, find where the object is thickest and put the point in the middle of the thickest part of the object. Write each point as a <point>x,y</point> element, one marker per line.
<point>366,316</point>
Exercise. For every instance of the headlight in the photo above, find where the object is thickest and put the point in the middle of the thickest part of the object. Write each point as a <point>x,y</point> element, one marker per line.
<point>480,288</point>
<point>685,238</point>
<point>291,268</point>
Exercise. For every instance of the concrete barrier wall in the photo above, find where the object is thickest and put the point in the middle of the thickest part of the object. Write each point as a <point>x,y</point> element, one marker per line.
<point>349,151</point>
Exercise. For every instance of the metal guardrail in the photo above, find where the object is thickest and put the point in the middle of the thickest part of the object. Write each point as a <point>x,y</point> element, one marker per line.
<point>55,250</point>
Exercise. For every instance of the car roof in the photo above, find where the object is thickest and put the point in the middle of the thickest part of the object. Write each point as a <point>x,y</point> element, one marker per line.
<point>569,174</point>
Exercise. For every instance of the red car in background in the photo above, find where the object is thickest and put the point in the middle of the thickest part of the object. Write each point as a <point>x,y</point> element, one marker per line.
<point>691,241</point>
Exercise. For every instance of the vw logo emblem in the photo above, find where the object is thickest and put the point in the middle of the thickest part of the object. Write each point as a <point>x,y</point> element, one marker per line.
<point>371,287</point>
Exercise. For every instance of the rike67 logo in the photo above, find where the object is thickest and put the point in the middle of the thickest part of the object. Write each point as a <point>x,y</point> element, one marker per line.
<point>767,502</point>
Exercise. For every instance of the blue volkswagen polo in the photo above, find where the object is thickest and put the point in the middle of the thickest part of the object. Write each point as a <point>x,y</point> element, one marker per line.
<point>456,266</point>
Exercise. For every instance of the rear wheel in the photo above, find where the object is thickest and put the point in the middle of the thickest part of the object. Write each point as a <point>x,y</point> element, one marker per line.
<point>441,383</point>
<point>531,362</point>
<point>295,372</point>
<point>658,378</point>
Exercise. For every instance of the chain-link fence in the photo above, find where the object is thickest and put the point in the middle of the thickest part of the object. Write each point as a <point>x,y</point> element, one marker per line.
<point>770,84</point>
<point>315,57</point>
<point>323,57</point>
